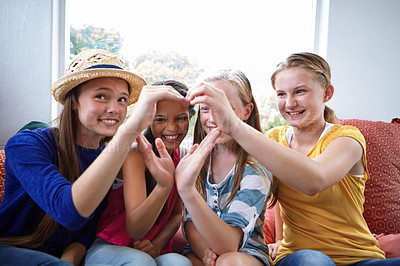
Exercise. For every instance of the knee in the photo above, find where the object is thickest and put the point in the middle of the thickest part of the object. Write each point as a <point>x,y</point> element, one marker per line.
<point>172,259</point>
<point>230,259</point>
<point>308,257</point>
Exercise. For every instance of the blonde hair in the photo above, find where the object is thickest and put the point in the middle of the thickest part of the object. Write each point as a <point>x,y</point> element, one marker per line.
<point>317,66</point>
<point>239,81</point>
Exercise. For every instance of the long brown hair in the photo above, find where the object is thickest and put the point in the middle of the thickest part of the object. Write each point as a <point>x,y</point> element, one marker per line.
<point>318,67</point>
<point>238,81</point>
<point>67,163</point>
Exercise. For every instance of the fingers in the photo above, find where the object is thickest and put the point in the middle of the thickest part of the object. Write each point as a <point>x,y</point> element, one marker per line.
<point>202,88</point>
<point>161,148</point>
<point>208,142</point>
<point>160,92</point>
<point>193,149</point>
<point>141,244</point>
<point>144,145</point>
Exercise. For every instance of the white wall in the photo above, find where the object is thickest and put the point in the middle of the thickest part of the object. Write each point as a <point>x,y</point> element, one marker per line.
<point>25,71</point>
<point>363,49</point>
<point>27,60</point>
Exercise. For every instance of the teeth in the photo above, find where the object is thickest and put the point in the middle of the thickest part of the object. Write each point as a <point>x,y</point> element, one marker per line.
<point>110,122</point>
<point>295,113</point>
<point>171,137</point>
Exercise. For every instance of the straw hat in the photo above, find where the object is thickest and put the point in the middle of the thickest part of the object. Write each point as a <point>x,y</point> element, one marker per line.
<point>91,64</point>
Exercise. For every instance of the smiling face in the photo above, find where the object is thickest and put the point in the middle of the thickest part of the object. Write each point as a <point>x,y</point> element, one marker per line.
<point>241,111</point>
<point>171,123</point>
<point>101,108</point>
<point>301,99</point>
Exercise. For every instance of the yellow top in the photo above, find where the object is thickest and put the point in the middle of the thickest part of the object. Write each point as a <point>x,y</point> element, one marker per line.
<point>331,221</point>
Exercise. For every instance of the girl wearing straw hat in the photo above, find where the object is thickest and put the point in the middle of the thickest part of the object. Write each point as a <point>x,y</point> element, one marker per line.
<point>57,179</point>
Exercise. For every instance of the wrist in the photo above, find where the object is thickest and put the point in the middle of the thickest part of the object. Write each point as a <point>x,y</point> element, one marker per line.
<point>165,190</point>
<point>187,193</point>
<point>237,127</point>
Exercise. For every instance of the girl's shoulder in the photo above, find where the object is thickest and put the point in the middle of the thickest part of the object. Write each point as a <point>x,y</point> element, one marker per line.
<point>255,168</point>
<point>36,138</point>
<point>344,131</point>
<point>277,132</point>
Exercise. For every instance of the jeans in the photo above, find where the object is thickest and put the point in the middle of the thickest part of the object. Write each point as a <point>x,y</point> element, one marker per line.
<point>104,253</point>
<point>315,258</point>
<point>10,255</point>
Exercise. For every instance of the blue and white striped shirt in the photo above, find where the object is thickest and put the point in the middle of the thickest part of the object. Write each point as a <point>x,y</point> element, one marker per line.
<point>246,209</point>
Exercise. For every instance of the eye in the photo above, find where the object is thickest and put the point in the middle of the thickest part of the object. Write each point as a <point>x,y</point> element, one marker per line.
<point>123,100</point>
<point>300,91</point>
<point>100,96</point>
<point>182,118</point>
<point>280,94</point>
<point>204,109</point>
<point>160,119</point>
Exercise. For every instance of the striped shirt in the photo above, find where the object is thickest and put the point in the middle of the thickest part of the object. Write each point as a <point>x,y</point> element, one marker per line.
<point>246,209</point>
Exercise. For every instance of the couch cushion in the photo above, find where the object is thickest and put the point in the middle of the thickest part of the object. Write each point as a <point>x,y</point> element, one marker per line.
<point>382,191</point>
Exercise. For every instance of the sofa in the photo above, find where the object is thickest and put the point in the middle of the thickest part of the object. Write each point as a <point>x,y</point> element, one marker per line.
<point>382,192</point>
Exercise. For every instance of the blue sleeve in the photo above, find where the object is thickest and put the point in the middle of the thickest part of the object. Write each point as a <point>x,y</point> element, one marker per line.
<point>87,234</point>
<point>246,207</point>
<point>31,161</point>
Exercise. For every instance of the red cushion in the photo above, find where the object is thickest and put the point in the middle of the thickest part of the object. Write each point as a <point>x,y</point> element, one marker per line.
<point>390,244</point>
<point>269,225</point>
<point>382,191</point>
<point>2,173</point>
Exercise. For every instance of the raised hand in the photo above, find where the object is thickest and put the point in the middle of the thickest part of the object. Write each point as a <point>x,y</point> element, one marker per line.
<point>216,100</point>
<point>162,168</point>
<point>145,108</point>
<point>189,167</point>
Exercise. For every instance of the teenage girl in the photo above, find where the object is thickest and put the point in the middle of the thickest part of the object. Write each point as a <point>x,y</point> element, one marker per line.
<point>321,167</point>
<point>57,179</point>
<point>144,210</point>
<point>223,189</point>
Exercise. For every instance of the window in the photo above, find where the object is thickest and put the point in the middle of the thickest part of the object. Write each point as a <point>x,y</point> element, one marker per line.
<point>253,36</point>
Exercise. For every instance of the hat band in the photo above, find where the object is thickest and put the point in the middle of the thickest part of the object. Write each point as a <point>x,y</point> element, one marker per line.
<point>104,66</point>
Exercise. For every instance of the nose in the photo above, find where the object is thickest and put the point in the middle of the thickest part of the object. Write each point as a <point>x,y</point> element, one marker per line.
<point>171,126</point>
<point>211,119</point>
<point>113,107</point>
<point>291,101</point>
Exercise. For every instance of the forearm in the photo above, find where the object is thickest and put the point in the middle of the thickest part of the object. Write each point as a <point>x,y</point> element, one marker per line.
<point>220,236</point>
<point>168,232</point>
<point>140,220</point>
<point>92,186</point>
<point>74,253</point>
<point>195,239</point>
<point>303,174</point>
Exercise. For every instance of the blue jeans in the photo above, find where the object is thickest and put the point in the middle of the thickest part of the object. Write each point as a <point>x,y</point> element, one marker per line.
<point>104,253</point>
<point>316,258</point>
<point>10,255</point>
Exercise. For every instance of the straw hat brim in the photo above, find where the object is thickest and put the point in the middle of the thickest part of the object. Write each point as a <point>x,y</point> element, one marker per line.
<point>66,83</point>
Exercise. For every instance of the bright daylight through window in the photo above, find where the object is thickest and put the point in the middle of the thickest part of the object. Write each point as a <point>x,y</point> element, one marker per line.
<point>185,39</point>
